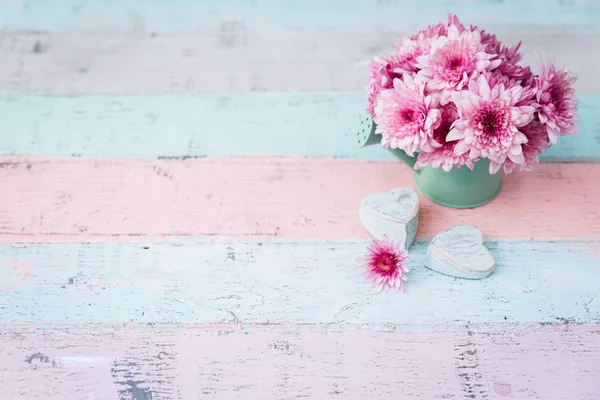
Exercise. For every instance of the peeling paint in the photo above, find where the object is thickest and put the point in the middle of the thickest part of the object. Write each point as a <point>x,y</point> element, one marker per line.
<point>23,268</point>
<point>134,392</point>
<point>37,359</point>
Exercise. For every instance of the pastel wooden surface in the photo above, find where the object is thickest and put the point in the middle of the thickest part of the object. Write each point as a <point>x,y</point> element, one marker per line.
<point>241,60</point>
<point>272,363</point>
<point>149,15</point>
<point>208,125</point>
<point>233,277</point>
<point>310,282</point>
<point>291,197</point>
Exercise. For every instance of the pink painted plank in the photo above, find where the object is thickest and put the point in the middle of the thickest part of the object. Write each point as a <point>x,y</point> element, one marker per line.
<point>271,362</point>
<point>290,197</point>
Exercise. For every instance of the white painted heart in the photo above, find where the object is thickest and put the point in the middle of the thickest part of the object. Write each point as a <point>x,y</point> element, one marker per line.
<point>395,214</point>
<point>460,252</point>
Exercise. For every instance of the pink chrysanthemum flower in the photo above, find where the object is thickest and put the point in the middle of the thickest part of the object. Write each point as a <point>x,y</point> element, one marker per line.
<point>407,53</point>
<point>516,73</point>
<point>430,33</point>
<point>556,101</point>
<point>441,29</point>
<point>489,122</point>
<point>404,60</point>
<point>405,117</point>
<point>492,45</point>
<point>489,40</point>
<point>510,54</point>
<point>509,57</point>
<point>495,78</point>
<point>454,60</point>
<point>537,142</point>
<point>383,265</point>
<point>382,77</point>
<point>443,156</point>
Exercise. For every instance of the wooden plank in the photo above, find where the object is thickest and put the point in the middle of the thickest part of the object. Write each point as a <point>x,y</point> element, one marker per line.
<point>162,15</point>
<point>242,61</point>
<point>307,282</point>
<point>302,124</point>
<point>272,363</point>
<point>288,197</point>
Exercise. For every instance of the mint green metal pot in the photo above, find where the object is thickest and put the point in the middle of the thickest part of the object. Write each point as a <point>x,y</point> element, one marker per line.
<point>458,188</point>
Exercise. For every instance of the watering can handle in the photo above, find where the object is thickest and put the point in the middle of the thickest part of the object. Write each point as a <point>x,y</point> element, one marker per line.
<point>367,137</point>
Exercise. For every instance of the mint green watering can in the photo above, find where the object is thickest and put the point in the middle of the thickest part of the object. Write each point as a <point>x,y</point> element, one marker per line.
<point>458,188</point>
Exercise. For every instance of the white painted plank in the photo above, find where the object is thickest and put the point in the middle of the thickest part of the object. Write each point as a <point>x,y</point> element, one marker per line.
<point>242,60</point>
<point>288,282</point>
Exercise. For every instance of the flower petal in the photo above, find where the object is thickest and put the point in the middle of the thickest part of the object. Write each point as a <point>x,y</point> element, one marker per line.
<point>494,64</point>
<point>516,150</point>
<point>461,148</point>
<point>517,158</point>
<point>494,167</point>
<point>552,136</point>
<point>455,134</point>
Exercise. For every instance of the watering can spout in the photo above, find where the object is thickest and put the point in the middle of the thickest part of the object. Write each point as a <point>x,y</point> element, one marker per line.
<point>367,137</point>
<point>366,133</point>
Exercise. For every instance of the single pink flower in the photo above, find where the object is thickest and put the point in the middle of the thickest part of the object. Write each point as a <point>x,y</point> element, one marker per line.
<point>443,156</point>
<point>489,122</point>
<point>405,117</point>
<point>509,57</point>
<point>430,33</point>
<point>454,21</point>
<point>516,72</point>
<point>382,77</point>
<point>383,265</point>
<point>489,40</point>
<point>410,48</point>
<point>537,142</point>
<point>440,29</point>
<point>556,101</point>
<point>495,78</point>
<point>492,45</point>
<point>454,60</point>
<point>511,54</point>
<point>407,52</point>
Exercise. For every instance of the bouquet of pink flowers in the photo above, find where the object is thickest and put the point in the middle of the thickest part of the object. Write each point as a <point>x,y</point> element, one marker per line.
<point>454,94</point>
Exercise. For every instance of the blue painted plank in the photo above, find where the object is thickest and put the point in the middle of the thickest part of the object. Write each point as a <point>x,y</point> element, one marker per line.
<point>306,124</point>
<point>227,15</point>
<point>297,282</point>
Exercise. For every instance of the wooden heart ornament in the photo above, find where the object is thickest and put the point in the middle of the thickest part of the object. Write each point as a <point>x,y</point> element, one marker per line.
<point>459,252</point>
<point>395,214</point>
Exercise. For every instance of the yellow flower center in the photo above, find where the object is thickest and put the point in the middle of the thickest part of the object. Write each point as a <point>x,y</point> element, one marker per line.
<point>383,266</point>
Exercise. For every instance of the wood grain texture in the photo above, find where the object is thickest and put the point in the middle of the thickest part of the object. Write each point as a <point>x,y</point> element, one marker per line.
<point>307,282</point>
<point>241,60</point>
<point>271,363</point>
<point>163,15</point>
<point>182,316</point>
<point>303,124</point>
<point>290,197</point>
